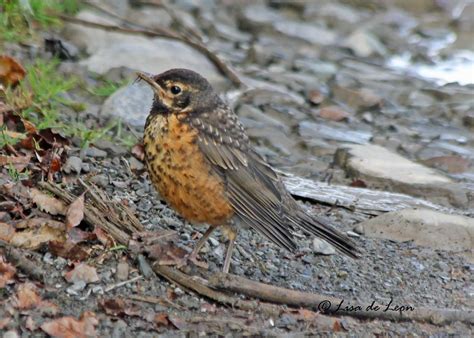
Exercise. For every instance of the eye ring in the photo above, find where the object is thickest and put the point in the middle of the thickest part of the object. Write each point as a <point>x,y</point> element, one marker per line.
<point>175,90</point>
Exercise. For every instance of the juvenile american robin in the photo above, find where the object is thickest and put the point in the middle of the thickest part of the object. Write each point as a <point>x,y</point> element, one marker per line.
<point>200,160</point>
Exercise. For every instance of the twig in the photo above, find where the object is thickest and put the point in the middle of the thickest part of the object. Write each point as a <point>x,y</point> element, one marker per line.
<point>190,283</point>
<point>155,300</point>
<point>165,33</point>
<point>20,260</point>
<point>330,305</point>
<point>117,285</point>
<point>114,218</point>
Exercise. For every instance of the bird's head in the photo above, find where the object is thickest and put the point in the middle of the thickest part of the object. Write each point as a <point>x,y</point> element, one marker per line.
<point>180,91</point>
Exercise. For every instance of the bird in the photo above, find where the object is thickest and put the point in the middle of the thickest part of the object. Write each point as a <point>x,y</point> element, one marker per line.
<point>201,162</point>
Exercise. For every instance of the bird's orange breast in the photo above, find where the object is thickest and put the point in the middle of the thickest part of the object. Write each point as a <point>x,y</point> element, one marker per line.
<point>180,173</point>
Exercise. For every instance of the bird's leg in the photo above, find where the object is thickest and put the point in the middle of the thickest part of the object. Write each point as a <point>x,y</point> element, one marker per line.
<point>193,255</point>
<point>231,233</point>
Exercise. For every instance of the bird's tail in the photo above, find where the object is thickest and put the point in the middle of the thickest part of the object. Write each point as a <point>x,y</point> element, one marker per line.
<point>320,227</point>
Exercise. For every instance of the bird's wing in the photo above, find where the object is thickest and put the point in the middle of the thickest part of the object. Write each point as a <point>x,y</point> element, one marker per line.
<point>251,185</point>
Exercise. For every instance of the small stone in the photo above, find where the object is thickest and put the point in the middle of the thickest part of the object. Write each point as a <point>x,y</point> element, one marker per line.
<point>144,267</point>
<point>86,167</point>
<point>359,229</point>
<point>100,180</point>
<point>322,247</point>
<point>468,120</point>
<point>111,148</point>
<point>333,113</point>
<point>11,334</point>
<point>135,164</point>
<point>214,242</point>
<point>73,164</point>
<point>352,234</point>
<point>122,271</point>
<point>76,287</point>
<point>342,274</point>
<point>95,152</point>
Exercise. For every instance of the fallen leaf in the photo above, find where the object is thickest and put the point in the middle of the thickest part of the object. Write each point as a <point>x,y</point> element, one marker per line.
<point>6,231</point>
<point>68,250</point>
<point>452,164</point>
<point>118,307</point>
<point>358,184</point>
<point>333,113</point>
<point>11,72</point>
<point>7,271</point>
<point>75,212</point>
<point>161,319</point>
<point>82,272</point>
<point>33,238</point>
<point>27,297</point>
<point>39,222</point>
<point>138,151</point>
<point>76,235</point>
<point>69,327</point>
<point>18,162</point>
<point>47,203</point>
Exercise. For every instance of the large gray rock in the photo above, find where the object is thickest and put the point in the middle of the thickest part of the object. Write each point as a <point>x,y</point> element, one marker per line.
<point>152,55</point>
<point>425,227</point>
<point>382,168</point>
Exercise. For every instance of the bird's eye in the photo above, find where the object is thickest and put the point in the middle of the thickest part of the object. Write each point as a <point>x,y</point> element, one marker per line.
<point>175,90</point>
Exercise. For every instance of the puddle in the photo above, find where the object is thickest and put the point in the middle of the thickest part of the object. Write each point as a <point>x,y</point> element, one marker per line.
<point>459,68</point>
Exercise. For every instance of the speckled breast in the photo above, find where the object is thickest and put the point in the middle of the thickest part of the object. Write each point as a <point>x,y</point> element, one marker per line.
<point>181,174</point>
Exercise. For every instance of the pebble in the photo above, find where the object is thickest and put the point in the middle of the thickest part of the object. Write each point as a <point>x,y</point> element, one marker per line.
<point>100,180</point>
<point>122,271</point>
<point>95,152</point>
<point>73,164</point>
<point>322,247</point>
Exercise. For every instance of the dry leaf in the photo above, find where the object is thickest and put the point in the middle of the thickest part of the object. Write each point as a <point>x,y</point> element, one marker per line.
<point>47,203</point>
<point>68,250</point>
<point>118,307</point>
<point>18,162</point>
<point>138,151</point>
<point>27,297</point>
<point>7,271</point>
<point>69,327</point>
<point>161,319</point>
<point>34,238</point>
<point>75,212</point>
<point>82,272</point>
<point>11,72</point>
<point>38,222</point>
<point>6,231</point>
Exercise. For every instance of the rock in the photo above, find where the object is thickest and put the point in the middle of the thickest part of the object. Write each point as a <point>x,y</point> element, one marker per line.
<point>135,164</point>
<point>452,164</point>
<point>258,18</point>
<point>95,152</point>
<point>131,104</point>
<point>468,120</point>
<point>322,247</point>
<point>101,180</point>
<point>364,44</point>
<point>122,271</point>
<point>153,55</point>
<point>333,113</point>
<point>111,147</point>
<point>73,164</point>
<point>382,168</point>
<point>357,98</point>
<point>425,227</point>
<point>307,32</point>
<point>311,131</point>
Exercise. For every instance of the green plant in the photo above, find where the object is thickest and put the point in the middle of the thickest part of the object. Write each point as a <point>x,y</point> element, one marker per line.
<point>107,88</point>
<point>15,175</point>
<point>19,19</point>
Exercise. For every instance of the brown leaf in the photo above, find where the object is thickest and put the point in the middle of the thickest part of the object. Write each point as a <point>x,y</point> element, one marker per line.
<point>452,164</point>
<point>75,212</point>
<point>68,250</point>
<point>76,235</point>
<point>118,307</point>
<point>27,297</point>
<point>161,319</point>
<point>138,151</point>
<point>82,272</point>
<point>7,271</point>
<point>35,237</point>
<point>6,231</point>
<point>358,184</point>
<point>47,203</point>
<point>333,113</point>
<point>11,72</point>
<point>69,327</point>
<point>18,162</point>
<point>33,223</point>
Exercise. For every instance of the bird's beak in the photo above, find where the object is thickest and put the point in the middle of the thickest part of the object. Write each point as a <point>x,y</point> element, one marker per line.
<point>154,86</point>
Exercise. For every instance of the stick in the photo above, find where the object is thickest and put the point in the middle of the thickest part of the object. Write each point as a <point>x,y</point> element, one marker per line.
<point>330,305</point>
<point>117,285</point>
<point>165,33</point>
<point>20,260</point>
<point>190,283</point>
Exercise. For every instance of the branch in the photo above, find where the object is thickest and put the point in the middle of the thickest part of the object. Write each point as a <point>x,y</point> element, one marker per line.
<point>165,33</point>
<point>19,259</point>
<point>330,305</point>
